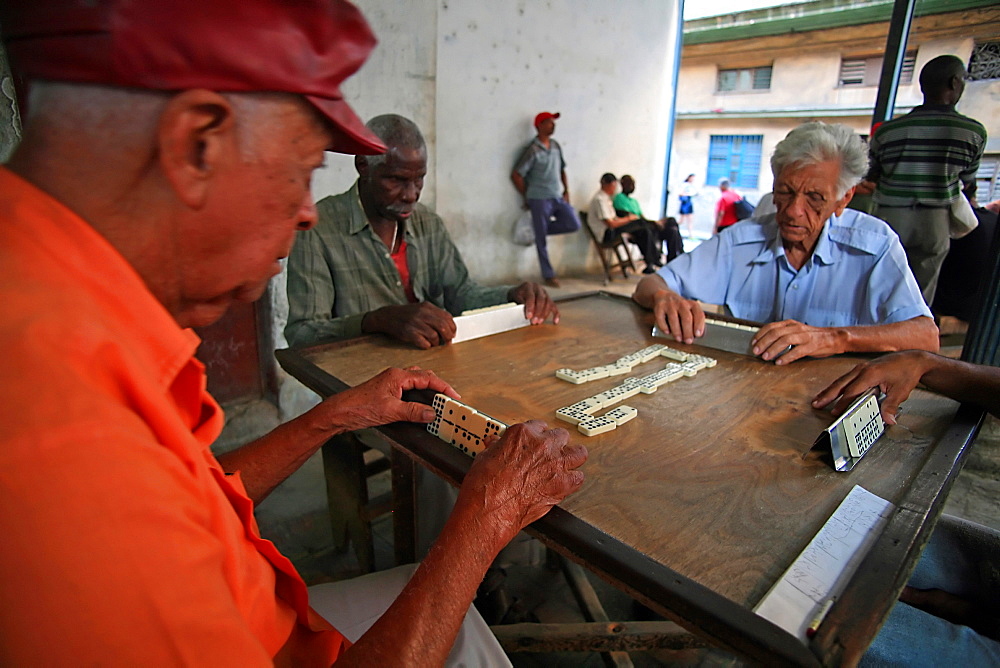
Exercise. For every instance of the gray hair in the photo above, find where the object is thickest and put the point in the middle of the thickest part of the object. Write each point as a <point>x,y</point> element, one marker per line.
<point>131,114</point>
<point>815,142</point>
<point>396,132</point>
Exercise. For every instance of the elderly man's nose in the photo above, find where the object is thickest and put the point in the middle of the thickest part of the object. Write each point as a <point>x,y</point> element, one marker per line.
<point>308,217</point>
<point>411,192</point>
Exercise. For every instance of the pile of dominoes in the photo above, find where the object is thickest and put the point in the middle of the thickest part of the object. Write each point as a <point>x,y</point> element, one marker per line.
<point>582,413</point>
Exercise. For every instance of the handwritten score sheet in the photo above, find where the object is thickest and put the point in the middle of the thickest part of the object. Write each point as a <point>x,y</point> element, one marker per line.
<point>822,571</point>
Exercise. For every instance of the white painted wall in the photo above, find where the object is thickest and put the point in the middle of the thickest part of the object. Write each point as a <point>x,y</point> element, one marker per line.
<point>473,75</point>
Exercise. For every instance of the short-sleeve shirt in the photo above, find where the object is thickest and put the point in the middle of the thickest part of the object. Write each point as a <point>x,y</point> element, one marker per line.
<point>601,209</point>
<point>727,205</point>
<point>542,169</point>
<point>856,275</point>
<point>623,202</point>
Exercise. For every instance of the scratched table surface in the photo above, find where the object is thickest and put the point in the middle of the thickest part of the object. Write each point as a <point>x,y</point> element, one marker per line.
<point>705,498</point>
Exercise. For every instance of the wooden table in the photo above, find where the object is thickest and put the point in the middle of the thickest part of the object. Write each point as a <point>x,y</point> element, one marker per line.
<point>698,505</point>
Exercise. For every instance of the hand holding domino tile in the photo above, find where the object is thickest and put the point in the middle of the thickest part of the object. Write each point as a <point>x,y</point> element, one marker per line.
<point>379,401</point>
<point>519,478</point>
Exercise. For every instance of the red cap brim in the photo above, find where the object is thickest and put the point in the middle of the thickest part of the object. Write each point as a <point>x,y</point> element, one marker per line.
<point>352,137</point>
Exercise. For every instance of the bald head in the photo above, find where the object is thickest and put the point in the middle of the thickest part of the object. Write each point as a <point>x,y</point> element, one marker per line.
<point>942,80</point>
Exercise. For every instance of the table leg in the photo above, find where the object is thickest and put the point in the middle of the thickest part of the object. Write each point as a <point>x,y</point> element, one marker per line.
<point>404,519</point>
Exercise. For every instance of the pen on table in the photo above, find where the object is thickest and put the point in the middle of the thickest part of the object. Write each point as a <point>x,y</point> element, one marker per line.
<point>818,619</point>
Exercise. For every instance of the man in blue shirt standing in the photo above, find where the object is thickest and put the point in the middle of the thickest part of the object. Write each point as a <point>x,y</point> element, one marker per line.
<point>540,177</point>
<point>827,279</point>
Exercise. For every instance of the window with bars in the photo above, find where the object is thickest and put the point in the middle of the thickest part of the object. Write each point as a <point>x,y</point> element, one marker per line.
<point>988,179</point>
<point>985,61</point>
<point>866,70</point>
<point>751,78</point>
<point>734,157</point>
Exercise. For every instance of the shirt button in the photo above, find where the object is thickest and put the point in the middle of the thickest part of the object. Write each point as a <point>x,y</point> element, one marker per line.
<point>795,286</point>
<point>398,283</point>
<point>387,256</point>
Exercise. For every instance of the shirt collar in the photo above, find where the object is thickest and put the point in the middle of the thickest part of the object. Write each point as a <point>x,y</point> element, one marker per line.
<point>826,252</point>
<point>102,273</point>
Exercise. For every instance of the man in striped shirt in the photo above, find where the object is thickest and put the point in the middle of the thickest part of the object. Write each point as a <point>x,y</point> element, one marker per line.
<point>923,162</point>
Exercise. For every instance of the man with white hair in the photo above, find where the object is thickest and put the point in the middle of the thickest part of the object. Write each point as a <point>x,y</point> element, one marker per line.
<point>163,174</point>
<point>827,279</point>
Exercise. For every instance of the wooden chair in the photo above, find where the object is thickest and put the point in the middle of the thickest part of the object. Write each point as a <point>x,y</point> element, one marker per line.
<point>614,254</point>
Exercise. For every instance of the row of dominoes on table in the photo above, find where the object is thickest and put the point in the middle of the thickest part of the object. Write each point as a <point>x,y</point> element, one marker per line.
<point>468,429</point>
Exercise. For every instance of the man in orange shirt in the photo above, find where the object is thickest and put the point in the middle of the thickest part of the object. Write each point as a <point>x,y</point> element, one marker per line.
<point>152,188</point>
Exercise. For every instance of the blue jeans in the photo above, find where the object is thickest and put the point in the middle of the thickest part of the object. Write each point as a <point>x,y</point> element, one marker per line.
<point>961,558</point>
<point>550,216</point>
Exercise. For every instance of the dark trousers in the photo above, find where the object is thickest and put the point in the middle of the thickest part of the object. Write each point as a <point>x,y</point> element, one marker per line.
<point>644,235</point>
<point>550,216</point>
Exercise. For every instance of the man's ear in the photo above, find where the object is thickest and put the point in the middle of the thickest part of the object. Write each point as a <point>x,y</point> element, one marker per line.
<point>361,164</point>
<point>845,200</point>
<point>196,134</point>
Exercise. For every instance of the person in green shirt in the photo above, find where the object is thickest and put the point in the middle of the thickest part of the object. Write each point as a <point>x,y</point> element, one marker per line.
<point>666,228</point>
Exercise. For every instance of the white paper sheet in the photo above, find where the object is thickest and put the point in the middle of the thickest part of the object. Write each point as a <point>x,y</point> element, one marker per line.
<point>824,568</point>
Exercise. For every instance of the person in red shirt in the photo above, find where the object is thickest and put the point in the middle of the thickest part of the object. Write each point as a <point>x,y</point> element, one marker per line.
<point>725,208</point>
<point>163,173</point>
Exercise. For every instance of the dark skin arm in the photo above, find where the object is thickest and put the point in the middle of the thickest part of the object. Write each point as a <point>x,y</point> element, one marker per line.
<point>897,374</point>
<point>538,305</point>
<point>521,186</point>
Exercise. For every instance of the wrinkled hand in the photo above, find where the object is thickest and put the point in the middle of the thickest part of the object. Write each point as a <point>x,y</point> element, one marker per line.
<point>775,338</point>
<point>517,479</point>
<point>424,325</point>
<point>895,375</point>
<point>538,305</point>
<point>681,318</point>
<point>379,401</point>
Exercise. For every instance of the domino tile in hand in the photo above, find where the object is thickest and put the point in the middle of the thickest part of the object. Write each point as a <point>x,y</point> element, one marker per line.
<point>621,414</point>
<point>597,425</point>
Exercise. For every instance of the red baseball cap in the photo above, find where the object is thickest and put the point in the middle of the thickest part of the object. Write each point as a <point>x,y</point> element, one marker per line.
<point>544,116</point>
<point>304,47</point>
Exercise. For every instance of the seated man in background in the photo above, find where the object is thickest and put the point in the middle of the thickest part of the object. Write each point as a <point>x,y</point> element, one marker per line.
<point>947,614</point>
<point>642,232</point>
<point>379,261</point>
<point>145,197</point>
<point>666,228</point>
<point>827,279</point>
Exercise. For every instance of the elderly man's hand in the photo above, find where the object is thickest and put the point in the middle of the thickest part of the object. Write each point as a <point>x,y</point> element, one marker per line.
<point>517,479</point>
<point>379,401</point>
<point>793,340</point>
<point>681,318</point>
<point>424,325</point>
<point>538,305</point>
<point>895,375</point>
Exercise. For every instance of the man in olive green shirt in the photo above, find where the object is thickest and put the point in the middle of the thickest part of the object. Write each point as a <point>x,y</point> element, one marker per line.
<point>379,261</point>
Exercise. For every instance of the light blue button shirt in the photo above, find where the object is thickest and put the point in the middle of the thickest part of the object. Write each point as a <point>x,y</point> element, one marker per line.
<point>857,275</point>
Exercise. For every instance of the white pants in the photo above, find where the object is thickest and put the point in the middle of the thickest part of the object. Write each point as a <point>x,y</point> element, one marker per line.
<point>352,606</point>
